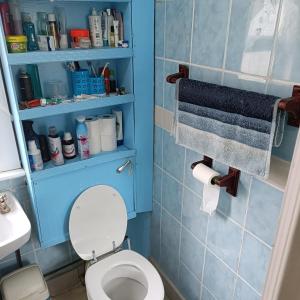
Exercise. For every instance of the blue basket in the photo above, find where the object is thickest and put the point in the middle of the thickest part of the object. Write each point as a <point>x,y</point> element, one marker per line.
<point>80,82</point>
<point>97,86</point>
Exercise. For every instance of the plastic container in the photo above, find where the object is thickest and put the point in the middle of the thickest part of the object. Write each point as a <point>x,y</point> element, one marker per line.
<point>82,138</point>
<point>55,89</point>
<point>95,29</point>
<point>96,86</point>
<point>16,43</point>
<point>35,157</point>
<point>55,147</point>
<point>80,82</point>
<point>29,31</point>
<point>15,11</point>
<point>80,38</point>
<point>53,31</point>
<point>4,11</point>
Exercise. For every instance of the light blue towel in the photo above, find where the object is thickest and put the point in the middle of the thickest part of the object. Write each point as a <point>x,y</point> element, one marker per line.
<point>237,128</point>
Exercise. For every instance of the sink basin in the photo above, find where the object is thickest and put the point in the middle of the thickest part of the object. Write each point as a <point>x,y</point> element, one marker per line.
<point>15,227</point>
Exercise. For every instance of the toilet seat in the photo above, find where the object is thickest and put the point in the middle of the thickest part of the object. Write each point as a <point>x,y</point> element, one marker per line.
<point>95,275</point>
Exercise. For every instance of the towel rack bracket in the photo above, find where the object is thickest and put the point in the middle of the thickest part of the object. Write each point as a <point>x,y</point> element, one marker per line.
<point>206,161</point>
<point>183,73</point>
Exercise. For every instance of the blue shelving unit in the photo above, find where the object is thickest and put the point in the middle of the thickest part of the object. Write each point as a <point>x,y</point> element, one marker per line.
<point>54,189</point>
<point>54,110</point>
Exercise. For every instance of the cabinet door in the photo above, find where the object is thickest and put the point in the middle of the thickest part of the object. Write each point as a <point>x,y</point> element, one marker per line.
<point>55,196</point>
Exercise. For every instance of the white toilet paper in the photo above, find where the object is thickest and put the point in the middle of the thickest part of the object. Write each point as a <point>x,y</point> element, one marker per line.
<point>211,192</point>
<point>94,129</point>
<point>108,133</point>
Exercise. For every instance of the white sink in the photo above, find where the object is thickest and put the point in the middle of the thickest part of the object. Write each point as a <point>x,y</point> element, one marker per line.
<point>15,227</point>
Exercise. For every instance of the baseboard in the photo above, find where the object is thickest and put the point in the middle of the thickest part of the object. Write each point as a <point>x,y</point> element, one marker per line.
<point>170,289</point>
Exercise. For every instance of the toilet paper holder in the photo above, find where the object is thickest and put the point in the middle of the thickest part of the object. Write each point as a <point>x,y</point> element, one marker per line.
<point>230,181</point>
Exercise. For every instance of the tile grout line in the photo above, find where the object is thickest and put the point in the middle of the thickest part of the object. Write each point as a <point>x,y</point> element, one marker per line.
<point>226,41</point>
<point>164,52</point>
<point>180,234</point>
<point>272,56</point>
<point>192,33</point>
<point>243,236</point>
<point>161,195</point>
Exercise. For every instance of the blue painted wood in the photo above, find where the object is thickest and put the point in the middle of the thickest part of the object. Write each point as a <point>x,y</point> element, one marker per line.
<point>38,57</point>
<point>76,164</point>
<point>93,103</point>
<point>55,196</point>
<point>143,33</point>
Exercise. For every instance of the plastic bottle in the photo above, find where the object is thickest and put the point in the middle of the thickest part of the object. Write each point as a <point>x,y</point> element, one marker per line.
<point>4,10</point>
<point>35,157</point>
<point>15,11</point>
<point>62,27</point>
<point>110,24</point>
<point>55,147</point>
<point>29,31</point>
<point>53,29</point>
<point>82,138</point>
<point>69,150</point>
<point>95,29</point>
<point>44,148</point>
<point>104,26</point>
<point>25,86</point>
<point>112,37</point>
<point>42,23</point>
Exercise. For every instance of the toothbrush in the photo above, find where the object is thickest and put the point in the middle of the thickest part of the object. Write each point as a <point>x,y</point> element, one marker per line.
<point>92,68</point>
<point>106,65</point>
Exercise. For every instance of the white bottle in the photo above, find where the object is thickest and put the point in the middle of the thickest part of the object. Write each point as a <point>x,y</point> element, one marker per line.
<point>110,23</point>
<point>95,29</point>
<point>35,157</point>
<point>55,147</point>
<point>104,28</point>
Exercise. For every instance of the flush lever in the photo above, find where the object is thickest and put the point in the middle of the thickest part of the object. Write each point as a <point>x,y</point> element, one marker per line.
<point>128,163</point>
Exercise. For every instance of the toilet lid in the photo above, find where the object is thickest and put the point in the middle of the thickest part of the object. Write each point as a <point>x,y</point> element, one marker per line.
<point>98,221</point>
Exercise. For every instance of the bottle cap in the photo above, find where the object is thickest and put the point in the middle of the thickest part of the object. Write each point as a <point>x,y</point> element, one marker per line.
<point>51,18</point>
<point>80,119</point>
<point>52,130</point>
<point>26,17</point>
<point>67,136</point>
<point>94,12</point>
<point>108,10</point>
<point>32,146</point>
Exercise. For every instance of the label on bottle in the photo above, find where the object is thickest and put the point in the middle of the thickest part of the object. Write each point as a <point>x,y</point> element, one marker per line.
<point>83,147</point>
<point>36,162</point>
<point>69,151</point>
<point>56,151</point>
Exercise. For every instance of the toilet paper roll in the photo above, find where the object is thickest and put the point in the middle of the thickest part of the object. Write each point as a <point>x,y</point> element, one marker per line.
<point>211,193</point>
<point>108,142</point>
<point>94,130</point>
<point>108,125</point>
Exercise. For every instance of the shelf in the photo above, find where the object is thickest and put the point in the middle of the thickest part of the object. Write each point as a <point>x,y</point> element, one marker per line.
<point>37,57</point>
<point>279,173</point>
<point>75,164</point>
<point>51,110</point>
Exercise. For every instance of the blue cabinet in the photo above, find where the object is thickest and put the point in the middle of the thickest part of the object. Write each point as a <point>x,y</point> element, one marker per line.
<point>54,189</point>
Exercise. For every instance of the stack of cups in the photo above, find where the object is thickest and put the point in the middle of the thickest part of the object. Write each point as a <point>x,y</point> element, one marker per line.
<point>108,132</point>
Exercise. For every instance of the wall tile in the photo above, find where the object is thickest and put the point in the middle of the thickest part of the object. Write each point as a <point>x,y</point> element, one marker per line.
<point>159,28</point>
<point>254,262</point>
<point>159,81</point>
<point>224,238</point>
<point>210,32</point>
<point>173,157</point>
<point>244,292</point>
<point>192,218</point>
<point>192,253</point>
<point>158,134</point>
<point>202,74</point>
<point>170,236</point>
<point>189,285</point>
<point>178,29</point>
<point>287,59</point>
<point>172,191</point>
<point>189,179</point>
<point>169,91</point>
<point>218,278</point>
<point>245,82</point>
<point>155,231</point>
<point>206,295</point>
<point>157,184</point>
<point>263,214</point>
<point>251,37</point>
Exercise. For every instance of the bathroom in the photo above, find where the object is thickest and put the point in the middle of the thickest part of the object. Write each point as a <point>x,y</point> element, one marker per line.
<point>231,252</point>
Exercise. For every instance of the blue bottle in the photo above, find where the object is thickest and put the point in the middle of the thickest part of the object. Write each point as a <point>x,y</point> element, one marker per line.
<point>29,31</point>
<point>82,138</point>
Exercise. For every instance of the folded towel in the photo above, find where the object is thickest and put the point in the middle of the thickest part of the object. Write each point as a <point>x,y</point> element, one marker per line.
<point>233,126</point>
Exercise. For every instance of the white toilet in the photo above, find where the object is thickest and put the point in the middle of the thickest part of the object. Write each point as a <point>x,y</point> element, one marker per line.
<point>97,226</point>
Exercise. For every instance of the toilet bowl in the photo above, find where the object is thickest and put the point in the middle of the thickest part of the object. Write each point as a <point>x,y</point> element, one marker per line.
<point>97,225</point>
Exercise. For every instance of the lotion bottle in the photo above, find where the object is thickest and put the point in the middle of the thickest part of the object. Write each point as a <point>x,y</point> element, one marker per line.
<point>95,29</point>
<point>110,24</point>
<point>55,147</point>
<point>82,138</point>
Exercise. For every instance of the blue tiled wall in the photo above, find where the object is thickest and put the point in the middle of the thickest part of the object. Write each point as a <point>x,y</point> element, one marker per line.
<point>252,45</point>
<point>58,256</point>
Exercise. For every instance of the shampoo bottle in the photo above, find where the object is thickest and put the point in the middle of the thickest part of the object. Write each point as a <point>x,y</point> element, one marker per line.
<point>35,157</point>
<point>29,31</point>
<point>104,26</point>
<point>95,29</point>
<point>110,24</point>
<point>82,138</point>
<point>55,147</point>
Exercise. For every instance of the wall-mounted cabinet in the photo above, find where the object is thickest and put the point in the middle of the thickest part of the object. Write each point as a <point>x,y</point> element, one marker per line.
<point>55,188</point>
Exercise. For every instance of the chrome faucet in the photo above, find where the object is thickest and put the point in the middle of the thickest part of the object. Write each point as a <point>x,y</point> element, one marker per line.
<point>4,208</point>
